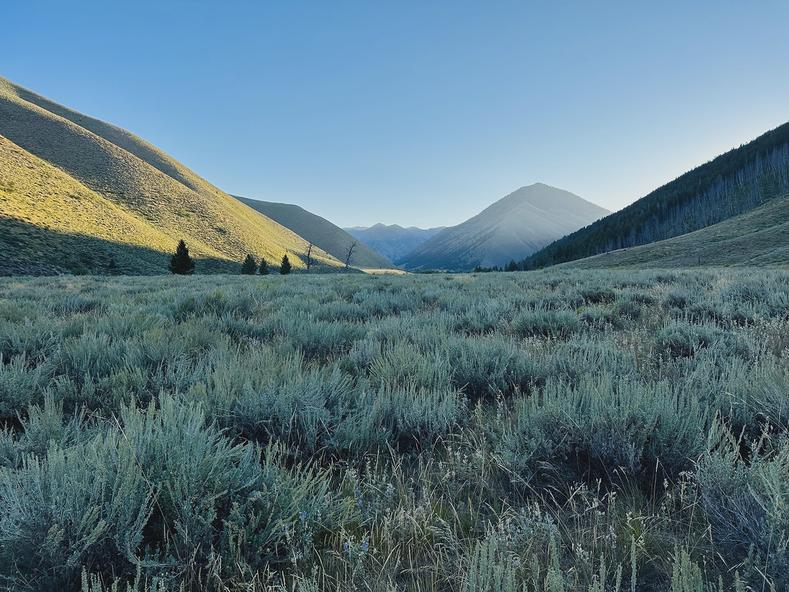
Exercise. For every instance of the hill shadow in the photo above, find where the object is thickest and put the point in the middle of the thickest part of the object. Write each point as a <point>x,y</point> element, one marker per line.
<point>32,250</point>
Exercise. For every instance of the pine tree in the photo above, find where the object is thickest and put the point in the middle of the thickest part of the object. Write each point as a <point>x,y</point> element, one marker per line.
<point>285,266</point>
<point>511,266</point>
<point>263,267</point>
<point>112,266</point>
<point>181,263</point>
<point>249,266</point>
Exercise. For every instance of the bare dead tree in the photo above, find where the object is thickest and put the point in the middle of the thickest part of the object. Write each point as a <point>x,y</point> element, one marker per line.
<point>350,253</point>
<point>309,256</point>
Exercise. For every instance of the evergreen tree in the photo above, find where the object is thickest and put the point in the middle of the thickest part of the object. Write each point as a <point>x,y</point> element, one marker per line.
<point>285,266</point>
<point>249,266</point>
<point>112,266</point>
<point>263,267</point>
<point>511,266</point>
<point>181,263</point>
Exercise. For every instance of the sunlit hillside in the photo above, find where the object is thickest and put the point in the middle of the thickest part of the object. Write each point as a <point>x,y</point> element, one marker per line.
<point>129,194</point>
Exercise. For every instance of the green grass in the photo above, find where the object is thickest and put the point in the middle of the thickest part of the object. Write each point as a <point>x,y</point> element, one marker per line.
<point>69,175</point>
<point>558,430</point>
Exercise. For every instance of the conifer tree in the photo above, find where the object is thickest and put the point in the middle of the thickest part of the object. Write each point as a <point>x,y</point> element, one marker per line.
<point>181,263</point>
<point>263,267</point>
<point>112,266</point>
<point>285,266</point>
<point>249,266</point>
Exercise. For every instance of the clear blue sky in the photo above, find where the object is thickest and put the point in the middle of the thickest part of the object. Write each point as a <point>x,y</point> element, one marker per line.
<point>415,112</point>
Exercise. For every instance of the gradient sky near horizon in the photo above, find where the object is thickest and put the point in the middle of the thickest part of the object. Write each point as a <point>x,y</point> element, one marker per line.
<point>415,112</point>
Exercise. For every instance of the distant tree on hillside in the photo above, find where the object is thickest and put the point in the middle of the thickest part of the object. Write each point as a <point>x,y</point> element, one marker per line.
<point>263,267</point>
<point>349,255</point>
<point>511,266</point>
<point>112,266</point>
<point>309,256</point>
<point>181,263</point>
<point>249,266</point>
<point>285,266</point>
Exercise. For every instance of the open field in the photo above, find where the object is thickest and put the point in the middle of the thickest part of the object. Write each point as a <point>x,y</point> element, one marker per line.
<point>544,431</point>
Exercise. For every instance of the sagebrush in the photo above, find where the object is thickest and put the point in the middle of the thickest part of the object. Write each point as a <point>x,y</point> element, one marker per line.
<point>527,431</point>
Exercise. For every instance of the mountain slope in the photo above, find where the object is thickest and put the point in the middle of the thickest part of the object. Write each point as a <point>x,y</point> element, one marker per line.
<point>320,232</point>
<point>132,177</point>
<point>730,185</point>
<point>392,241</point>
<point>759,237</point>
<point>512,228</point>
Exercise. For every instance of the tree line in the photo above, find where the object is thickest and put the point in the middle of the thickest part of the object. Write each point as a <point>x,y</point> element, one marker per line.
<point>181,263</point>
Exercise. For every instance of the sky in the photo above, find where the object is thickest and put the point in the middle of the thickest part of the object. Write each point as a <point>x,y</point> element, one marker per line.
<point>415,112</point>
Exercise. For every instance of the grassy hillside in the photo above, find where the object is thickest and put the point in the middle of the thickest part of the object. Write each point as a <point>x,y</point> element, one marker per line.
<point>511,228</point>
<point>133,178</point>
<point>759,237</point>
<point>320,232</point>
<point>731,184</point>
<point>566,430</point>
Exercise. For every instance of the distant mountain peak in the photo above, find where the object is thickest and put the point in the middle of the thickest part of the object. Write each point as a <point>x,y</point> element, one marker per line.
<point>393,241</point>
<point>513,227</point>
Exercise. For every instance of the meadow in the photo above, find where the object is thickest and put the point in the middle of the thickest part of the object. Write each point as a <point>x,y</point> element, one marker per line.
<point>546,431</point>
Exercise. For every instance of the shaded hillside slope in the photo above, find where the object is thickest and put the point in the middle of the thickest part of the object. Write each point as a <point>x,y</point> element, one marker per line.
<point>43,206</point>
<point>393,241</point>
<point>132,177</point>
<point>759,237</point>
<point>320,232</point>
<point>731,184</point>
<point>512,228</point>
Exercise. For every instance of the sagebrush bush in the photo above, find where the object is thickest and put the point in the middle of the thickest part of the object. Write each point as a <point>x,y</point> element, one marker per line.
<point>603,428</point>
<point>746,500</point>
<point>557,324</point>
<point>684,339</point>
<point>84,507</point>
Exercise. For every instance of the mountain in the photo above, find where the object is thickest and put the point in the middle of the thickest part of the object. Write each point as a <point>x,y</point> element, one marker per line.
<point>759,237</point>
<point>320,232</point>
<point>80,195</point>
<point>728,186</point>
<point>392,241</point>
<point>512,228</point>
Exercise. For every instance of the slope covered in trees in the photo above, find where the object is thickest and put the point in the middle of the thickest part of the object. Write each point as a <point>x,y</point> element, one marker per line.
<point>759,237</point>
<point>731,184</point>
<point>74,184</point>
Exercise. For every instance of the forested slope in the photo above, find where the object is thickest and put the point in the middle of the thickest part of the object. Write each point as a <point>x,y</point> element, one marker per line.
<point>731,184</point>
<point>759,237</point>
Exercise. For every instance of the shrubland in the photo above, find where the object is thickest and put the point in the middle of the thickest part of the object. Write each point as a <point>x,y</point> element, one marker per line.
<point>544,431</point>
